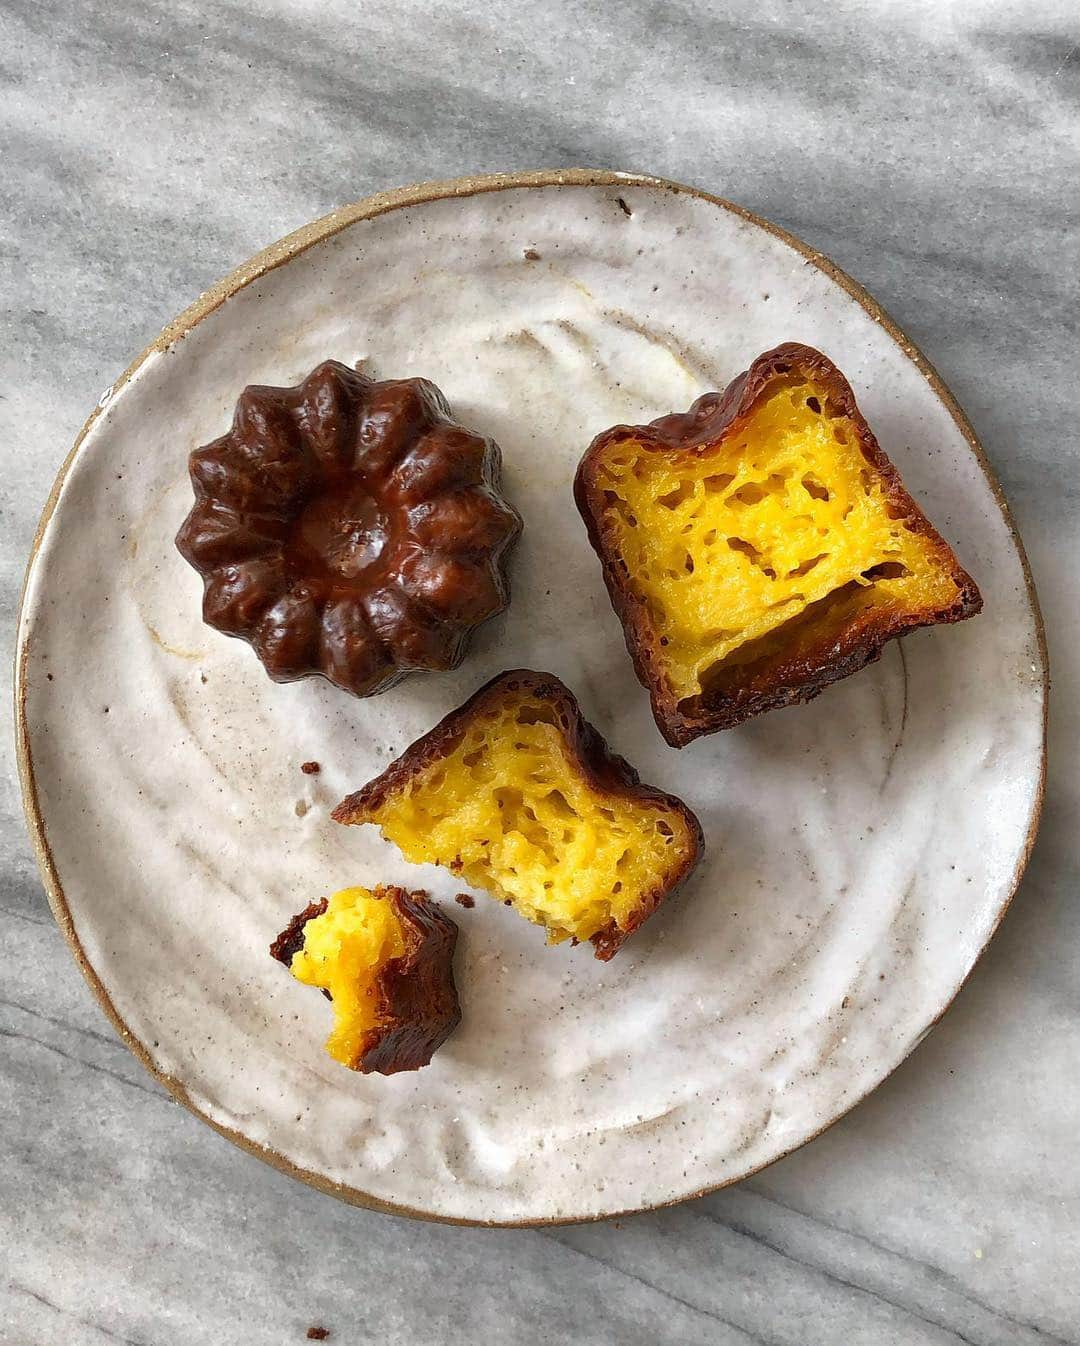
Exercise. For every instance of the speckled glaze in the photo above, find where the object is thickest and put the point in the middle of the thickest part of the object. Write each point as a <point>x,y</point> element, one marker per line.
<point>860,850</point>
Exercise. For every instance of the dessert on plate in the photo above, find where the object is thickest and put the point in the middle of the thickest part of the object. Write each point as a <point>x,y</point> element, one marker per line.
<point>384,957</point>
<point>349,528</point>
<point>516,793</point>
<point>760,546</point>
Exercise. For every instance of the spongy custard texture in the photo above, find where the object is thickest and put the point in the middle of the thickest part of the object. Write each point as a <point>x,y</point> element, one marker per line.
<point>343,952</point>
<point>510,811</point>
<point>766,542</point>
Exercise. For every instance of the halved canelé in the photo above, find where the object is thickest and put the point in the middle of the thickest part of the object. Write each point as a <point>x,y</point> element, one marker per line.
<point>384,957</point>
<point>760,546</point>
<point>516,793</point>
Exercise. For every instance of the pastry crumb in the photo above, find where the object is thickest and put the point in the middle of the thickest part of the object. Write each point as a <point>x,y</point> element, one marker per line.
<point>318,1333</point>
<point>310,768</point>
<point>531,255</point>
<point>465,900</point>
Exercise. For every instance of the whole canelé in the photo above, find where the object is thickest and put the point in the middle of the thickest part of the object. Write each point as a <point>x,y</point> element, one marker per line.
<point>349,529</point>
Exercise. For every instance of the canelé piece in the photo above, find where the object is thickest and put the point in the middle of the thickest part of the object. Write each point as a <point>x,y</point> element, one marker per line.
<point>761,546</point>
<point>518,794</point>
<point>349,528</point>
<point>384,957</point>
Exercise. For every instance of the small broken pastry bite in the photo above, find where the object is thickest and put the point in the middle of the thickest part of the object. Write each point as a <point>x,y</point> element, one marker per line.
<point>516,793</point>
<point>384,957</point>
<point>761,546</point>
<point>349,529</point>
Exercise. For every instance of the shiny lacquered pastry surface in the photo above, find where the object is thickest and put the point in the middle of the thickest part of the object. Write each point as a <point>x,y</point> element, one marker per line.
<point>518,794</point>
<point>761,546</point>
<point>349,528</point>
<point>384,957</point>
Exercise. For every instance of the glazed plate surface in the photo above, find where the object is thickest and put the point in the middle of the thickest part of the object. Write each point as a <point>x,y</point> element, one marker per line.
<point>860,850</point>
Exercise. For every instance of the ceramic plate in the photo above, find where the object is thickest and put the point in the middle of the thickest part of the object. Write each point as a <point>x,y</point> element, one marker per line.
<point>860,850</point>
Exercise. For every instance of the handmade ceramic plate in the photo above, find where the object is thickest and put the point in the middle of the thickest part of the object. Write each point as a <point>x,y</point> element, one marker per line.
<point>860,850</point>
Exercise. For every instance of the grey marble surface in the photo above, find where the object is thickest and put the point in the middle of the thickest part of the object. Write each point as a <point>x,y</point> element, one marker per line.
<point>933,149</point>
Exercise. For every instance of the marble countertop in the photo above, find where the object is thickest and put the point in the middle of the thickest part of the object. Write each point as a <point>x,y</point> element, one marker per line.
<point>933,150</point>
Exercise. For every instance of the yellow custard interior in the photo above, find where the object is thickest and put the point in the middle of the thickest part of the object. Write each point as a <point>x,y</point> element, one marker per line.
<point>766,542</point>
<point>510,811</point>
<point>343,952</point>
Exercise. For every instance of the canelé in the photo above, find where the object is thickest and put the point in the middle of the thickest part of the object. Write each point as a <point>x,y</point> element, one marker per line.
<point>349,528</point>
<point>517,794</point>
<point>384,957</point>
<point>761,546</point>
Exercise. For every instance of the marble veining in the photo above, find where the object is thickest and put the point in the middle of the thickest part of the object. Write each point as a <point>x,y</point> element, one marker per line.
<point>146,152</point>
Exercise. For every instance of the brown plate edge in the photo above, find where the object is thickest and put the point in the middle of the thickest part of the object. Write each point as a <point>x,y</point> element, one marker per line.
<point>267,260</point>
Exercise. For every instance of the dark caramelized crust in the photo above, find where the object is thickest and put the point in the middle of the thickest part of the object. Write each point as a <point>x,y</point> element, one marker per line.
<point>349,529</point>
<point>416,1002</point>
<point>528,698</point>
<point>291,940</point>
<point>833,636</point>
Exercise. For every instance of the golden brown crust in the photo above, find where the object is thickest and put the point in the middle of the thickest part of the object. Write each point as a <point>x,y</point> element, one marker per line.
<point>417,1003</point>
<point>349,529</point>
<point>604,770</point>
<point>776,682</point>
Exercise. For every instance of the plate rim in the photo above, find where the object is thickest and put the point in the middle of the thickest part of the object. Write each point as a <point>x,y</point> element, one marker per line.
<point>268,259</point>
